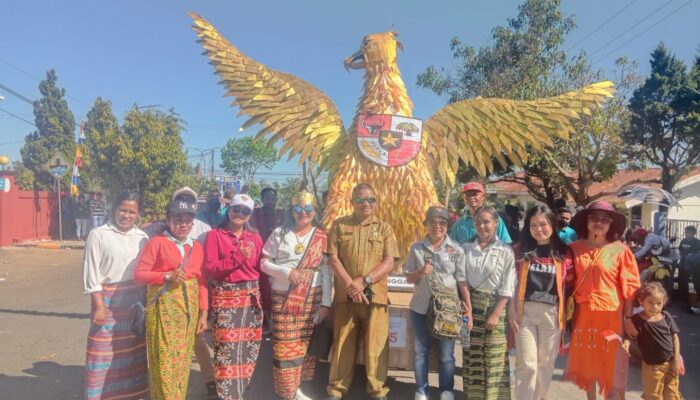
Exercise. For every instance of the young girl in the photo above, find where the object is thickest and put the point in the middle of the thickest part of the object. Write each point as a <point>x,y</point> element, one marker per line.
<point>658,342</point>
<point>536,313</point>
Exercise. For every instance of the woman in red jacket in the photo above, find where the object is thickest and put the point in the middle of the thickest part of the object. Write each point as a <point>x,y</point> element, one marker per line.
<point>171,266</point>
<point>233,254</point>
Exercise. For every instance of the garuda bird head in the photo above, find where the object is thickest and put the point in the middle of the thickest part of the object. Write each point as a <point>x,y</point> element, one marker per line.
<point>376,49</point>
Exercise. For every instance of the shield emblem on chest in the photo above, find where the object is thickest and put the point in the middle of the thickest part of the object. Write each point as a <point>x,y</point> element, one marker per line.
<point>388,140</point>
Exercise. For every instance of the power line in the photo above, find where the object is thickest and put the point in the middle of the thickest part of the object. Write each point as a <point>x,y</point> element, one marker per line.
<point>636,24</point>
<point>15,142</point>
<point>37,79</point>
<point>642,32</point>
<point>602,25</point>
<point>18,117</point>
<point>14,93</point>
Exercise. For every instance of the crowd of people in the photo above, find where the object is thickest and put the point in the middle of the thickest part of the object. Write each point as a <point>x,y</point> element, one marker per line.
<point>245,272</point>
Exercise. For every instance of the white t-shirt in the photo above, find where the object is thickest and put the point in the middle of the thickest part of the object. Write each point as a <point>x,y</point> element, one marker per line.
<point>111,256</point>
<point>281,259</point>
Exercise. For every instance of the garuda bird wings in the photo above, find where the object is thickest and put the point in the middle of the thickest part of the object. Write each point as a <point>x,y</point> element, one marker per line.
<point>290,108</point>
<point>476,130</point>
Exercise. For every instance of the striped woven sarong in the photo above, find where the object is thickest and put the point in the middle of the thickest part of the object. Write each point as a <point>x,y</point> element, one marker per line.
<point>237,332</point>
<point>170,337</point>
<point>115,366</point>
<point>291,335</point>
<point>486,371</point>
<point>592,358</point>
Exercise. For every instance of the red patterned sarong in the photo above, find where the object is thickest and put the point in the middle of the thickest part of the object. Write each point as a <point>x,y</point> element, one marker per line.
<point>291,334</point>
<point>236,331</point>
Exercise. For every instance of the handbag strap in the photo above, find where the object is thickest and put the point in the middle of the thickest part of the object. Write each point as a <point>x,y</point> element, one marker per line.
<point>493,271</point>
<point>586,274</point>
<point>167,285</point>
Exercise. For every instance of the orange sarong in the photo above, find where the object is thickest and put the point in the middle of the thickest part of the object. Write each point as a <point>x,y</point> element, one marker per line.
<point>592,358</point>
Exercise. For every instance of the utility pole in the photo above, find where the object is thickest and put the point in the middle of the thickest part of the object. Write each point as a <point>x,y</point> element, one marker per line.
<point>212,162</point>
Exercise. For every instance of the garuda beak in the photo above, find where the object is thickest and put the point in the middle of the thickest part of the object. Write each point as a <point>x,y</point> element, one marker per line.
<point>355,61</point>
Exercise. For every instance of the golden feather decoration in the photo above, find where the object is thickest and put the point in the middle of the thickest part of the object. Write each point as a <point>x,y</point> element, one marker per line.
<point>309,125</point>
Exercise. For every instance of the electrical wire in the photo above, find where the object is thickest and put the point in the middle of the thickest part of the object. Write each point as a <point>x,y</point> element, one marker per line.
<point>602,25</point>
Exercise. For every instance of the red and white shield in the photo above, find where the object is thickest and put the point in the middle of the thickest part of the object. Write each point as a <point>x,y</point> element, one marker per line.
<point>389,140</point>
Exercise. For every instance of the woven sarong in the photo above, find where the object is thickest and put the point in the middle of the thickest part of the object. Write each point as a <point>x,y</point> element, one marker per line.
<point>236,331</point>
<point>593,359</point>
<point>486,371</point>
<point>115,365</point>
<point>291,334</point>
<point>170,337</point>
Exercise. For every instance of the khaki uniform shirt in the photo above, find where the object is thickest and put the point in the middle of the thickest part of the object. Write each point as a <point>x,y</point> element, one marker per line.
<point>360,248</point>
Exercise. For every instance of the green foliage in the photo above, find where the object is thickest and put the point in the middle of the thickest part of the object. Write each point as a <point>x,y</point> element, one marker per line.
<point>144,155</point>
<point>665,123</point>
<point>527,60</point>
<point>55,134</point>
<point>244,156</point>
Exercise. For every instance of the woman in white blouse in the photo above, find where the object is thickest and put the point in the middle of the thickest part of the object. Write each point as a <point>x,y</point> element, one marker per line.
<point>115,365</point>
<point>301,293</point>
<point>490,273</point>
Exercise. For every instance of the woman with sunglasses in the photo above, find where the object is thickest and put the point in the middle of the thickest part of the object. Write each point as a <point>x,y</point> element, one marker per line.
<point>301,293</point>
<point>232,256</point>
<point>537,314</point>
<point>606,281</point>
<point>435,259</point>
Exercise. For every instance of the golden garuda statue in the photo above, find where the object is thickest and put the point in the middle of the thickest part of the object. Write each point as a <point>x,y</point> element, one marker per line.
<point>398,155</point>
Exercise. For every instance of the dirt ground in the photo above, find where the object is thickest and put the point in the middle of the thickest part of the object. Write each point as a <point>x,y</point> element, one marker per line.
<point>44,321</point>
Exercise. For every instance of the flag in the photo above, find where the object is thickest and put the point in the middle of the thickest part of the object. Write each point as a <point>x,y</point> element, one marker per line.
<point>77,163</point>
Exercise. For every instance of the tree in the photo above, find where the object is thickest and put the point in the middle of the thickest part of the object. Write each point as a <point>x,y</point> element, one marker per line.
<point>244,156</point>
<point>664,128</point>
<point>144,155</point>
<point>527,60</point>
<point>55,133</point>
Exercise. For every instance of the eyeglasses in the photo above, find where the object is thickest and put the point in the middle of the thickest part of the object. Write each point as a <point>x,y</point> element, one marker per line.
<point>241,210</point>
<point>600,218</point>
<point>298,209</point>
<point>368,200</point>
<point>437,222</point>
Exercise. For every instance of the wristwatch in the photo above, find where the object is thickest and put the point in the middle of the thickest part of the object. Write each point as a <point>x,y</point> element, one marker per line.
<point>367,279</point>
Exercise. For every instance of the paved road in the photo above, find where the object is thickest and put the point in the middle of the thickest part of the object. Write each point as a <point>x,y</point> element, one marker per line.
<point>44,321</point>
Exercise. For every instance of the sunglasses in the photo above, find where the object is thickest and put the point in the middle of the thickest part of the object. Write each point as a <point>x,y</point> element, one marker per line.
<point>600,218</point>
<point>298,209</point>
<point>241,210</point>
<point>368,200</point>
<point>437,222</point>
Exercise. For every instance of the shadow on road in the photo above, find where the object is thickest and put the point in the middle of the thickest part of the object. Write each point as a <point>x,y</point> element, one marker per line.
<point>48,381</point>
<point>46,313</point>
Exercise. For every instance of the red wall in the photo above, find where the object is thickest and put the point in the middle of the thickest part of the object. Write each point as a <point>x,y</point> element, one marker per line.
<point>24,215</point>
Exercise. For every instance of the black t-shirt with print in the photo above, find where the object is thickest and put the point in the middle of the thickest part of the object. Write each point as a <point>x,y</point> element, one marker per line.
<point>655,339</point>
<point>541,278</point>
<point>689,246</point>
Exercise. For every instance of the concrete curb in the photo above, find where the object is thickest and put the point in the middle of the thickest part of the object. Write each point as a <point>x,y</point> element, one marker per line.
<point>53,244</point>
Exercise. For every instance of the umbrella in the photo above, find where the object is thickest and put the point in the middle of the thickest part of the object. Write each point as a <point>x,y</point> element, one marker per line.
<point>647,194</point>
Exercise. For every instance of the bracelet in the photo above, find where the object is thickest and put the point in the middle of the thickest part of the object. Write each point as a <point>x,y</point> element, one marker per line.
<point>167,276</point>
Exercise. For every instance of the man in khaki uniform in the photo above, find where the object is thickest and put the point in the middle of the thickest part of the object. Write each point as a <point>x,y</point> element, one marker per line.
<point>361,251</point>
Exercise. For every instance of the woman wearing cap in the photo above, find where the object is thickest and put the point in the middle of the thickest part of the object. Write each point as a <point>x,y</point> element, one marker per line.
<point>177,303</point>
<point>606,281</point>
<point>536,314</point>
<point>436,257</point>
<point>301,293</point>
<point>115,364</point>
<point>233,252</point>
<point>491,277</point>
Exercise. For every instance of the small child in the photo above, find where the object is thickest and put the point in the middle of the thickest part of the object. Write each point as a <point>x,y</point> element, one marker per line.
<point>658,341</point>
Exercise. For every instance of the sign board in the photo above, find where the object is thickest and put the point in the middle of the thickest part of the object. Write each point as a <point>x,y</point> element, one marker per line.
<point>399,283</point>
<point>397,331</point>
<point>4,185</point>
<point>57,166</point>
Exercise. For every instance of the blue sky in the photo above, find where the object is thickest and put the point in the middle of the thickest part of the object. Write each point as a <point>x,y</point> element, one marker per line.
<point>144,52</point>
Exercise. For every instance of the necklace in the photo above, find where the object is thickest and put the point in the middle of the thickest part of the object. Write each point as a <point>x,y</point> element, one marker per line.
<point>300,247</point>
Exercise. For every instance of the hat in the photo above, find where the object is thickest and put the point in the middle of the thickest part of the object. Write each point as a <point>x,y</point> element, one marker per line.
<point>185,190</point>
<point>436,212</point>
<point>580,220</point>
<point>243,200</point>
<point>304,197</point>
<point>639,234</point>
<point>177,207</point>
<point>473,186</point>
